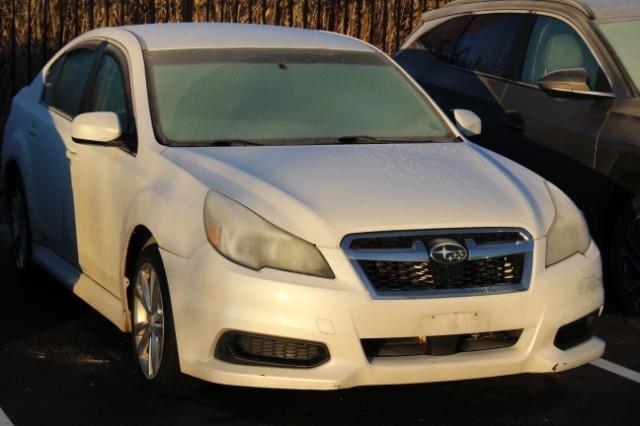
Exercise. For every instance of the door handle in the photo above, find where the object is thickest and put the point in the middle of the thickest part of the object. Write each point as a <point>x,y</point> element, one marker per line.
<point>514,121</point>
<point>71,155</point>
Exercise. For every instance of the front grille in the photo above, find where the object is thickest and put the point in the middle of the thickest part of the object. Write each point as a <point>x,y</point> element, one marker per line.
<point>399,263</point>
<point>256,349</point>
<point>413,276</point>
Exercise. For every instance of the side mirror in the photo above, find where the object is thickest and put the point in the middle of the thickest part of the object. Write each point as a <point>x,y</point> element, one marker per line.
<point>96,128</point>
<point>569,83</point>
<point>467,122</point>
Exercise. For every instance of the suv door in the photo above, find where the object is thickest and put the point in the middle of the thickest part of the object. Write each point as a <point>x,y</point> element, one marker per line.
<point>557,134</point>
<point>104,178</point>
<point>50,130</point>
<point>466,62</point>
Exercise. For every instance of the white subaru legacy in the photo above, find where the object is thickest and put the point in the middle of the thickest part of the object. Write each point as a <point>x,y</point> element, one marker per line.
<point>283,208</point>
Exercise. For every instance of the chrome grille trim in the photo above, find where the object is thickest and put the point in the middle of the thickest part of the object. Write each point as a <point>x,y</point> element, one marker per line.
<point>418,253</point>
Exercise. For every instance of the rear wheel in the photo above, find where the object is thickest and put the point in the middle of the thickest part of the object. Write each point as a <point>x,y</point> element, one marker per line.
<point>625,259</point>
<point>19,230</point>
<point>153,335</point>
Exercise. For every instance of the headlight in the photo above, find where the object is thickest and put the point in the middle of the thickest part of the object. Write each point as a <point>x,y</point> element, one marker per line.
<point>569,233</point>
<point>246,238</point>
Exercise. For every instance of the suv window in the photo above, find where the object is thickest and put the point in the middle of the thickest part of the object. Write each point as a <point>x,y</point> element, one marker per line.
<point>66,89</point>
<point>441,40</point>
<point>490,43</point>
<point>109,91</point>
<point>555,45</point>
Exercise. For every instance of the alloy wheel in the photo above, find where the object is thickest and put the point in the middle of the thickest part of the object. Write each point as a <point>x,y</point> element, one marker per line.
<point>148,321</point>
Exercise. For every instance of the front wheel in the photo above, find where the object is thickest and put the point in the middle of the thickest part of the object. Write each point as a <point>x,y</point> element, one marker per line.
<point>153,335</point>
<point>625,259</point>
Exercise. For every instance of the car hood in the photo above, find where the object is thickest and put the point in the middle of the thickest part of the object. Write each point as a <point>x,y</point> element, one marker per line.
<point>323,192</point>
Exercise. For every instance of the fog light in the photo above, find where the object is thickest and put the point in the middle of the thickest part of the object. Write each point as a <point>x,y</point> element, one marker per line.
<point>254,349</point>
<point>576,332</point>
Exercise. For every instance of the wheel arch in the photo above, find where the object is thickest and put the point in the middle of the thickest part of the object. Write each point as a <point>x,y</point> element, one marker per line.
<point>17,164</point>
<point>150,215</point>
<point>138,239</point>
<point>620,186</point>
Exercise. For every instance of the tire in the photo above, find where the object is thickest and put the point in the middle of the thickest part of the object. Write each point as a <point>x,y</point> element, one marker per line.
<point>624,259</point>
<point>153,336</point>
<point>19,227</point>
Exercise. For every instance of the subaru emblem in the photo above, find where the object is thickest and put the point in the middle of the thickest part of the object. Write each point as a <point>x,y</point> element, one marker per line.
<point>447,251</point>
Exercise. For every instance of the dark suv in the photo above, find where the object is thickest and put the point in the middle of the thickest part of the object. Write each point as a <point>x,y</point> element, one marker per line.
<point>556,84</point>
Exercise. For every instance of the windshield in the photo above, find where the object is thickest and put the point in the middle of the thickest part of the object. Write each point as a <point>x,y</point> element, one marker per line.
<point>285,96</point>
<point>623,37</point>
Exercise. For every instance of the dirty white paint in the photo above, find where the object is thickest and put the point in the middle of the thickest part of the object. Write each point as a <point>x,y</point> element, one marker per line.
<point>619,370</point>
<point>455,323</point>
<point>4,420</point>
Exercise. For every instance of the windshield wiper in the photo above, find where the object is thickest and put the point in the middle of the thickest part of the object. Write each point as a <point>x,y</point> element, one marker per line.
<point>233,142</point>
<point>351,140</point>
<point>223,142</point>
<point>364,139</point>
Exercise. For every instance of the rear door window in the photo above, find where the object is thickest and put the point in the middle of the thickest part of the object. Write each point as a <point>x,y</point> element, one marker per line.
<point>554,45</point>
<point>491,43</point>
<point>66,91</point>
<point>441,40</point>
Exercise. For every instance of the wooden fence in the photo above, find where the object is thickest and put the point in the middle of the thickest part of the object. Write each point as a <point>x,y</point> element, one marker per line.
<point>32,30</point>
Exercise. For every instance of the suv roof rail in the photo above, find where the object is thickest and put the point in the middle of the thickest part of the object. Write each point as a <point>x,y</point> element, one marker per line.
<point>576,4</point>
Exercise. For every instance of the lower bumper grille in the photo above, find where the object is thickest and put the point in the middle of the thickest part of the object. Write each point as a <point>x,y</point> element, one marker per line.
<point>440,345</point>
<point>254,349</point>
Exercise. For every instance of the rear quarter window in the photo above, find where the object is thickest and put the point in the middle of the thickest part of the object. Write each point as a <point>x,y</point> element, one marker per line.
<point>441,40</point>
<point>491,42</point>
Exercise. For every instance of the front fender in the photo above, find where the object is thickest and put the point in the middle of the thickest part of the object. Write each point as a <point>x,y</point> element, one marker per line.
<point>172,210</point>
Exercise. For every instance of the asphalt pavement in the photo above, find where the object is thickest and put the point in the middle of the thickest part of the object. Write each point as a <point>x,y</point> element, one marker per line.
<point>62,363</point>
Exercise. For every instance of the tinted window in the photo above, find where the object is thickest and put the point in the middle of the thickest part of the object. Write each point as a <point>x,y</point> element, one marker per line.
<point>490,43</point>
<point>555,45</point>
<point>441,40</point>
<point>624,37</point>
<point>52,80</point>
<point>109,92</point>
<point>67,91</point>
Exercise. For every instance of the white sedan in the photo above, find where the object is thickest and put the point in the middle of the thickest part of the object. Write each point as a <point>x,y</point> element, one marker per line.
<point>272,207</point>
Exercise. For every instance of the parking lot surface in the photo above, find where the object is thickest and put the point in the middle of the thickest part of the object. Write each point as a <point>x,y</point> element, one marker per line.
<point>62,363</point>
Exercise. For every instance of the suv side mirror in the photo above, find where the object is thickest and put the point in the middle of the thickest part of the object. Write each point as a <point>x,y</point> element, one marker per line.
<point>467,122</point>
<point>569,82</point>
<point>96,128</point>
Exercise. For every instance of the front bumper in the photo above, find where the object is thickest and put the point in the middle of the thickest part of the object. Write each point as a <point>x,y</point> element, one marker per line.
<point>211,295</point>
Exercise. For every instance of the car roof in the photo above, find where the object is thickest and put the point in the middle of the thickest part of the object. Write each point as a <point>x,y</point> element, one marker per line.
<point>593,9</point>
<point>219,35</point>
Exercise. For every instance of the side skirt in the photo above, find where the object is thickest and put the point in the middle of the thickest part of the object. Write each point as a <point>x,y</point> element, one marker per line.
<point>82,286</point>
